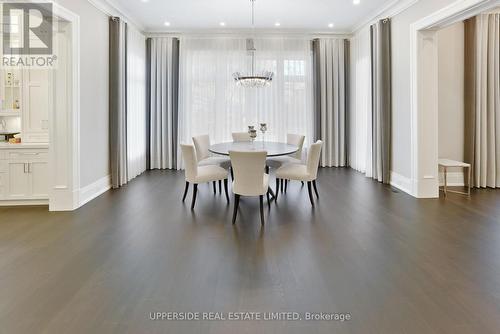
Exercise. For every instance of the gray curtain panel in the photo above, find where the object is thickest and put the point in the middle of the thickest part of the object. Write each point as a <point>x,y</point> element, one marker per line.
<point>118,101</point>
<point>482,99</point>
<point>330,99</point>
<point>381,100</point>
<point>163,91</point>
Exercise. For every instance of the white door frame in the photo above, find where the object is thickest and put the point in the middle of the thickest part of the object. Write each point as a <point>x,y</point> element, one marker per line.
<point>64,141</point>
<point>424,91</point>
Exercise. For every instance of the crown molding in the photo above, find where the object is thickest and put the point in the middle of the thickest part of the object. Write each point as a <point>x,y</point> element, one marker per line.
<point>204,33</point>
<point>111,8</point>
<point>393,8</point>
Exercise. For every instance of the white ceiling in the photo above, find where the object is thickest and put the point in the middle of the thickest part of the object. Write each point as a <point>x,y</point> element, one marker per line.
<point>298,15</point>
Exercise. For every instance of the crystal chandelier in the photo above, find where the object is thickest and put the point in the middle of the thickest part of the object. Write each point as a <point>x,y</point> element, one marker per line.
<point>253,80</point>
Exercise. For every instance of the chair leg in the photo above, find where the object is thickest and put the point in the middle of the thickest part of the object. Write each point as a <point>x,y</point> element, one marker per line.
<point>277,189</point>
<point>286,185</point>
<point>267,169</point>
<point>268,199</point>
<point>195,191</point>
<point>215,189</point>
<point>310,193</point>
<point>282,185</point>
<point>232,174</point>
<point>185,191</point>
<point>315,188</point>
<point>225,189</point>
<point>302,182</point>
<point>261,200</point>
<point>236,204</point>
<point>220,186</point>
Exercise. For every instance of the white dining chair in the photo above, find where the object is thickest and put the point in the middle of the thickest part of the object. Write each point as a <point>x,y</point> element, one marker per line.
<point>241,136</point>
<point>303,172</point>
<point>249,178</point>
<point>295,158</point>
<point>195,174</point>
<point>205,158</point>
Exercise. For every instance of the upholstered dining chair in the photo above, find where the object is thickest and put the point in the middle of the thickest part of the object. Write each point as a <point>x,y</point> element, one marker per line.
<point>241,136</point>
<point>249,178</point>
<point>296,158</point>
<point>303,172</point>
<point>205,158</point>
<point>196,174</point>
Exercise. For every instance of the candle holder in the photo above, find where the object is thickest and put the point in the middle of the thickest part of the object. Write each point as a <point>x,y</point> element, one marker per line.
<point>253,134</point>
<point>263,129</point>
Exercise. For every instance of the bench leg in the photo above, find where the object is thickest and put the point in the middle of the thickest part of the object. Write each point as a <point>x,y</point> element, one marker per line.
<point>445,181</point>
<point>469,168</point>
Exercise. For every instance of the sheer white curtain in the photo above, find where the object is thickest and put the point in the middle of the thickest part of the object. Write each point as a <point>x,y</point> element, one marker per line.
<point>136,102</point>
<point>211,103</point>
<point>361,103</point>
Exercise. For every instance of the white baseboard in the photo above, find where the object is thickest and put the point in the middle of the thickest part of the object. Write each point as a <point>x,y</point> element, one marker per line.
<point>94,190</point>
<point>401,182</point>
<point>455,179</point>
<point>29,202</point>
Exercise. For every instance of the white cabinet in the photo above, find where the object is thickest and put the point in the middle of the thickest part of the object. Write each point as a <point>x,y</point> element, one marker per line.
<point>39,177</point>
<point>18,185</point>
<point>37,101</point>
<point>3,181</point>
<point>24,174</point>
<point>27,94</point>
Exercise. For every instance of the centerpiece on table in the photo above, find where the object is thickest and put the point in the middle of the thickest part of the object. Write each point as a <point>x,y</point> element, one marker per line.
<point>252,132</point>
<point>263,129</point>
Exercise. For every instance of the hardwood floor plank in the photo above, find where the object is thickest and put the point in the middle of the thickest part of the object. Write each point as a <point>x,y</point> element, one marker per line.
<point>396,264</point>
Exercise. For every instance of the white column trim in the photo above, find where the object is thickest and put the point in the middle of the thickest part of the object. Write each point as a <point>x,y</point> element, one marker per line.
<point>64,197</point>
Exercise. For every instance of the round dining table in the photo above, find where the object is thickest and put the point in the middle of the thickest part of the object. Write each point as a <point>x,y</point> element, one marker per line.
<point>273,149</point>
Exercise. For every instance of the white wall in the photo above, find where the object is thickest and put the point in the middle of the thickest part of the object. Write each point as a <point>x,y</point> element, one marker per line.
<point>401,81</point>
<point>94,151</point>
<point>451,91</point>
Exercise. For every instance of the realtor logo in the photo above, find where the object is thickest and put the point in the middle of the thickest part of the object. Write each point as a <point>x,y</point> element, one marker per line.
<point>27,28</point>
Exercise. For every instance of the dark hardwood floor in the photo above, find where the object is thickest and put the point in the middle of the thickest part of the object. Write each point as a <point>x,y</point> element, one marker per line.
<point>396,264</point>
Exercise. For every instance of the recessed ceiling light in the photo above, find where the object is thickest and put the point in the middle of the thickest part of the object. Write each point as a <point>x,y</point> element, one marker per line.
<point>222,24</point>
<point>356,2</point>
<point>145,0</point>
<point>277,24</point>
<point>331,25</point>
<point>167,24</point>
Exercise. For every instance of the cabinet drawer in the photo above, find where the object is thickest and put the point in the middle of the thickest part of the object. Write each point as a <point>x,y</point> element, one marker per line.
<point>28,154</point>
<point>3,185</point>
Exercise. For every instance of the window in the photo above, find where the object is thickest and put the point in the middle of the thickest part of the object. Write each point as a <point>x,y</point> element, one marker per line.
<point>211,103</point>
